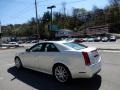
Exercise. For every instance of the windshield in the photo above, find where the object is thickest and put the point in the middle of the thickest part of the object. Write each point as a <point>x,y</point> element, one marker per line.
<point>75,46</point>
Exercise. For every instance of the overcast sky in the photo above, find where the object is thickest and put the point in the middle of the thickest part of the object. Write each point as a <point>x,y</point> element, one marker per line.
<point>20,11</point>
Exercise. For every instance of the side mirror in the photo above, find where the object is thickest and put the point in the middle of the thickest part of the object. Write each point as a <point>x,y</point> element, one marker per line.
<point>27,50</point>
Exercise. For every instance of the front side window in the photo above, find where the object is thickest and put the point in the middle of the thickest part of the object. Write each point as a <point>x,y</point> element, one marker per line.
<point>37,48</point>
<point>75,46</point>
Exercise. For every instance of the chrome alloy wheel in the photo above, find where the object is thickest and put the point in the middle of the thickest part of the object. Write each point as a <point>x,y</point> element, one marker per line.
<point>61,74</point>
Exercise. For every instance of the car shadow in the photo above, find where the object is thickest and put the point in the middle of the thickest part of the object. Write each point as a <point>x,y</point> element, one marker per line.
<point>43,81</point>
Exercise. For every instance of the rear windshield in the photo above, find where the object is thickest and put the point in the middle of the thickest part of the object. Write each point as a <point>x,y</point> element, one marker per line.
<point>75,46</point>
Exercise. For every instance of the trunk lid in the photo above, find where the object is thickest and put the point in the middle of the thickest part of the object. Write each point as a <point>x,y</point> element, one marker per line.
<point>92,54</point>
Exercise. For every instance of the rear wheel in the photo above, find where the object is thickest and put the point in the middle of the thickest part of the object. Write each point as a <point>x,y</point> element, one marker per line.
<point>61,73</point>
<point>18,63</point>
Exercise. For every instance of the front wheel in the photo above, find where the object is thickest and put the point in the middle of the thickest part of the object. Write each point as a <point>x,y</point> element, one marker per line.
<point>61,73</point>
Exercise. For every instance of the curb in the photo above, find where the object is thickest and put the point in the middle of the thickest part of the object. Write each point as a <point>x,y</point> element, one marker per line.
<point>24,47</point>
<point>109,49</point>
<point>11,48</point>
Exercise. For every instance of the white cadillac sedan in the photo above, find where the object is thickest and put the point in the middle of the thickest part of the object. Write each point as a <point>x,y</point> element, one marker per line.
<point>64,60</point>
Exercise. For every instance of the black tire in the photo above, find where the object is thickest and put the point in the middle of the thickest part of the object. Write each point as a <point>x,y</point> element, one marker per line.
<point>62,76</point>
<point>18,63</point>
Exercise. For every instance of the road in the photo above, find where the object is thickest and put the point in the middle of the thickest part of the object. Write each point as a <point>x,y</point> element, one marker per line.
<point>12,79</point>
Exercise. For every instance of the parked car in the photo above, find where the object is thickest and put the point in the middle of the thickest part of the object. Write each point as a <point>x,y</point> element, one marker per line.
<point>97,39</point>
<point>105,39</point>
<point>34,41</point>
<point>13,44</point>
<point>112,38</point>
<point>90,39</point>
<point>20,42</point>
<point>69,39</point>
<point>79,40</point>
<point>85,39</point>
<point>28,41</point>
<point>64,60</point>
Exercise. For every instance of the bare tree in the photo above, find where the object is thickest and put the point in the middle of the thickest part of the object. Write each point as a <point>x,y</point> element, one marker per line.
<point>114,2</point>
<point>64,8</point>
<point>64,13</point>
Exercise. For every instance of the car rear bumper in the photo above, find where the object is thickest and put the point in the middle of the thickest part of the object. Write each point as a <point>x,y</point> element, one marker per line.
<point>93,69</point>
<point>89,72</point>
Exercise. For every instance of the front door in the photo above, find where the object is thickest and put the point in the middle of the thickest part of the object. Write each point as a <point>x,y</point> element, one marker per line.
<point>31,57</point>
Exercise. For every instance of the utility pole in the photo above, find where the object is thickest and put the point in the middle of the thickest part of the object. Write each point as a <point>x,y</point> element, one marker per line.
<point>37,21</point>
<point>52,32</point>
<point>64,12</point>
<point>0,35</point>
<point>51,7</point>
<point>64,8</point>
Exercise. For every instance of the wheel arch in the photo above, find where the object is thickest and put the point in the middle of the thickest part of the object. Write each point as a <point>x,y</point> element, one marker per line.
<point>66,66</point>
<point>19,59</point>
<point>16,57</point>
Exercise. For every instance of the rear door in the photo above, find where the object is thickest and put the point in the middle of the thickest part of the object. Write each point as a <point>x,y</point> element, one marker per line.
<point>46,59</point>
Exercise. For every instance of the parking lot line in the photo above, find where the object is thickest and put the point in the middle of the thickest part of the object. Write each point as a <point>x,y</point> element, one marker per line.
<point>110,51</point>
<point>1,78</point>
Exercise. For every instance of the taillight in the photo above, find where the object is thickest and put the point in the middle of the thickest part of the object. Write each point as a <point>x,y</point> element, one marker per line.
<point>86,58</point>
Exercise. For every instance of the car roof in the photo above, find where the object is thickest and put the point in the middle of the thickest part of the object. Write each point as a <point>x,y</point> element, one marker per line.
<point>61,46</point>
<point>58,42</point>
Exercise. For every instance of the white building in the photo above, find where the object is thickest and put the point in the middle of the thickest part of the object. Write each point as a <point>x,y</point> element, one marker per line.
<point>68,33</point>
<point>64,33</point>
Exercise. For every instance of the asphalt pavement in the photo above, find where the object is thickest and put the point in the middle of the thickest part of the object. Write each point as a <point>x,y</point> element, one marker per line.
<point>12,79</point>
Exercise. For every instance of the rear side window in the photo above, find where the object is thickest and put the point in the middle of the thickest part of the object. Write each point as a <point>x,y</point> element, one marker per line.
<point>51,48</point>
<point>75,46</point>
